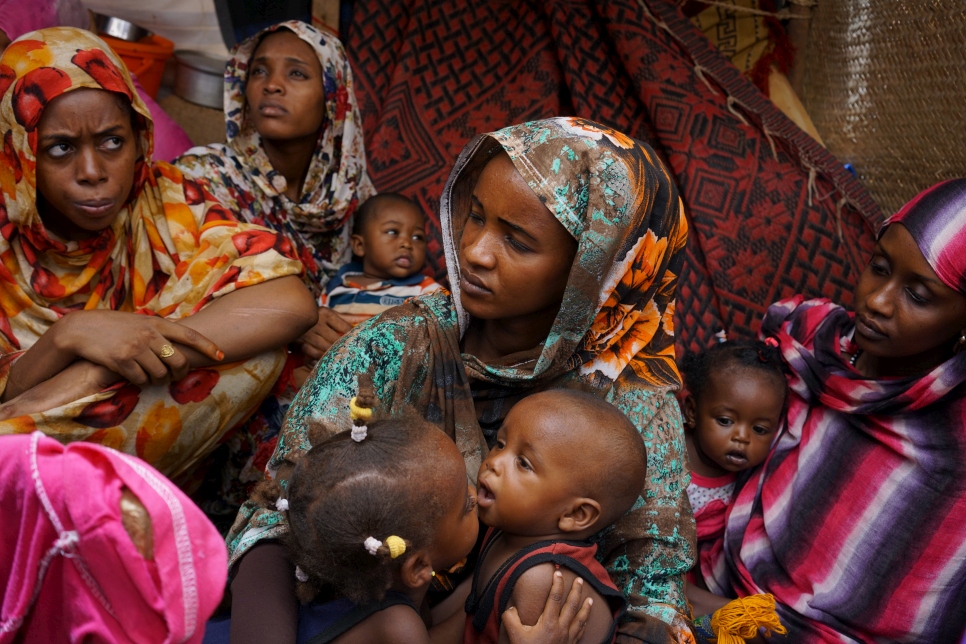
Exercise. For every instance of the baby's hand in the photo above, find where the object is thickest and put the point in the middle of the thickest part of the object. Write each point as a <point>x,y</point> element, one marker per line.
<point>562,622</point>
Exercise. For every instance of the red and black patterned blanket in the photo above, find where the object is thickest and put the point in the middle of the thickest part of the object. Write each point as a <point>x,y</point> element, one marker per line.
<point>772,212</point>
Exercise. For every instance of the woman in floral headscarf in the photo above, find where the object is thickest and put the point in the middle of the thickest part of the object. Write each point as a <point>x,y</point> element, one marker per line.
<point>294,162</point>
<point>295,158</point>
<point>117,269</point>
<point>563,240</point>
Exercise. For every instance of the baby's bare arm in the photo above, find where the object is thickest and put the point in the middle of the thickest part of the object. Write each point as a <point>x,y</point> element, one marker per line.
<point>530,593</point>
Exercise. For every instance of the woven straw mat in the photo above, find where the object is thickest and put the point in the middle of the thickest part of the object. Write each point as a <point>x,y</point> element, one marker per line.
<point>885,84</point>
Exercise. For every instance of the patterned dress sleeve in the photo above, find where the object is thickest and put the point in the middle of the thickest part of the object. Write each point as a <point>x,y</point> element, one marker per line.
<point>374,347</point>
<point>648,551</point>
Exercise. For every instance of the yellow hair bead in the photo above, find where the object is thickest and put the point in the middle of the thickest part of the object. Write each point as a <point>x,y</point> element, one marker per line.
<point>396,546</point>
<point>739,620</point>
<point>359,413</point>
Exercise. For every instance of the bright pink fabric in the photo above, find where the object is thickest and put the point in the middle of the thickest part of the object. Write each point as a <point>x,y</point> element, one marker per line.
<point>170,141</point>
<point>69,569</point>
<point>16,19</point>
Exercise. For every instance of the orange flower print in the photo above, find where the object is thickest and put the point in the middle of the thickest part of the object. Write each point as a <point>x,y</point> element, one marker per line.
<point>7,77</point>
<point>585,128</point>
<point>99,67</point>
<point>32,93</point>
<point>667,319</point>
<point>637,330</point>
<point>111,412</point>
<point>159,429</point>
<point>253,242</point>
<point>194,387</point>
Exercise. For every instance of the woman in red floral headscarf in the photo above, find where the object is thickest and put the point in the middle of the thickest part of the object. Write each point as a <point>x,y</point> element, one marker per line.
<point>134,308</point>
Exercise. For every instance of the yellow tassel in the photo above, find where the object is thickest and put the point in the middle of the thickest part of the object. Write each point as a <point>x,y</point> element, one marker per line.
<point>396,546</point>
<point>359,413</point>
<point>740,619</point>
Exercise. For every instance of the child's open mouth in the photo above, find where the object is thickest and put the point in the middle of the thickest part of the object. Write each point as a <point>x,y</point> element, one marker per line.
<point>736,458</point>
<point>484,496</point>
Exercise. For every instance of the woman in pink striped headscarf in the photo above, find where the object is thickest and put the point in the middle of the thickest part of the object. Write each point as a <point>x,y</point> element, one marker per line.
<point>97,546</point>
<point>856,522</point>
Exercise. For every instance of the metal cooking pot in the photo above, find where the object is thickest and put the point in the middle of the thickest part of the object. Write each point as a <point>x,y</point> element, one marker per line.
<point>118,28</point>
<point>199,78</point>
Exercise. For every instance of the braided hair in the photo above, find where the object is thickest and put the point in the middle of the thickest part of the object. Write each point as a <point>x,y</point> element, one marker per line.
<point>763,357</point>
<point>357,501</point>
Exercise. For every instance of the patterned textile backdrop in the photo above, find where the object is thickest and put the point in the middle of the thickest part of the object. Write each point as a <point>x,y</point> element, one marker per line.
<point>772,213</point>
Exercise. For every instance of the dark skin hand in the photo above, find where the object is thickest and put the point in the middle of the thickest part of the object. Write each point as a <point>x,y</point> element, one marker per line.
<point>326,332</point>
<point>84,352</point>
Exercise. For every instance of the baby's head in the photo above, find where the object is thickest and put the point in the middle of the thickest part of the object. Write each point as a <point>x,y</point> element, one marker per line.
<point>736,399</point>
<point>405,479</point>
<point>565,463</point>
<point>389,236</point>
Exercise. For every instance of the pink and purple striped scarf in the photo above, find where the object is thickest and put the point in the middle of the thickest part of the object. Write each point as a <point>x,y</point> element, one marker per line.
<point>857,520</point>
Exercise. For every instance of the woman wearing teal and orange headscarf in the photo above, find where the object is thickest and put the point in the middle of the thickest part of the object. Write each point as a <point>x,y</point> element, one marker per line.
<point>563,241</point>
<point>134,308</point>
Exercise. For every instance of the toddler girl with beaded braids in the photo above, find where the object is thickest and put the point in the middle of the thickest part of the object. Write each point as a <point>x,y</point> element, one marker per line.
<point>373,513</point>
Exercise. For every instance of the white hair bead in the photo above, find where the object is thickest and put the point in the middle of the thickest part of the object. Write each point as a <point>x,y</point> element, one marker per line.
<point>372,545</point>
<point>359,433</point>
<point>281,504</point>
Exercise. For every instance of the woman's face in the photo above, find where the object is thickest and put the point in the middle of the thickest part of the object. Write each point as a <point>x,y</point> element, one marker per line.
<point>285,90</point>
<point>902,309</point>
<point>86,155</point>
<point>515,257</point>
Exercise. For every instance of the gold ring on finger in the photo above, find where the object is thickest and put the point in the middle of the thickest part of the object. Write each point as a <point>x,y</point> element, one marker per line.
<point>166,351</point>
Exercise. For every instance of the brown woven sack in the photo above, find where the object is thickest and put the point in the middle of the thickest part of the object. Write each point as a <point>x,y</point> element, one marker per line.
<point>885,84</point>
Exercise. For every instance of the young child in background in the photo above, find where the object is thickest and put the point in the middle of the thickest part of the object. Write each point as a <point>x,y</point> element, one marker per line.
<point>736,396</point>
<point>389,244</point>
<point>566,465</point>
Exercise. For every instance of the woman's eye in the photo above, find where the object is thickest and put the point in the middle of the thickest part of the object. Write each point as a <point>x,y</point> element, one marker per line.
<point>256,71</point>
<point>917,298</point>
<point>517,245</point>
<point>59,150</point>
<point>299,73</point>
<point>879,268</point>
<point>113,143</point>
<point>475,217</point>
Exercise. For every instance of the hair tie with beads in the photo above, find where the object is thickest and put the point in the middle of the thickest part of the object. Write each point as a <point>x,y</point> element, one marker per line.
<point>772,342</point>
<point>300,575</point>
<point>359,415</point>
<point>721,336</point>
<point>372,545</point>
<point>281,504</point>
<point>396,545</point>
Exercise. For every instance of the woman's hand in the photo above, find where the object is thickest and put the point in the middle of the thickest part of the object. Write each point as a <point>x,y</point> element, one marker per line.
<point>317,340</point>
<point>140,348</point>
<point>79,380</point>
<point>562,622</point>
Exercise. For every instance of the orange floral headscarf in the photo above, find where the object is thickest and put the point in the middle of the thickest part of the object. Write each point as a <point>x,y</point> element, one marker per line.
<point>616,198</point>
<point>169,252</point>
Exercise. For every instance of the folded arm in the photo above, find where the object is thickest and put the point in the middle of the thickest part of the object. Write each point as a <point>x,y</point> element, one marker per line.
<point>236,326</point>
